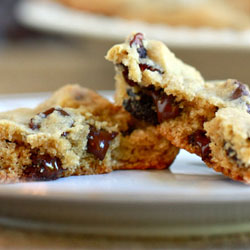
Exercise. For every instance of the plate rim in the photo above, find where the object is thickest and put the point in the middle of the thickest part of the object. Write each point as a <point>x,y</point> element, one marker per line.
<point>194,38</point>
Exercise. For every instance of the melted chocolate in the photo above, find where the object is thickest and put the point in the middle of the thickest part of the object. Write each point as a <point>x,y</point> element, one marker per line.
<point>141,106</point>
<point>99,141</point>
<point>166,106</point>
<point>200,139</point>
<point>43,168</point>
<point>151,106</point>
<point>137,41</point>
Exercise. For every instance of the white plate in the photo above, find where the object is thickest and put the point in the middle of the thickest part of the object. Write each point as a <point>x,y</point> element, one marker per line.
<point>50,16</point>
<point>188,199</point>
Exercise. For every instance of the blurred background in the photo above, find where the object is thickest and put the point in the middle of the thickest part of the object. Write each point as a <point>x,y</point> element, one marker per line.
<point>46,44</point>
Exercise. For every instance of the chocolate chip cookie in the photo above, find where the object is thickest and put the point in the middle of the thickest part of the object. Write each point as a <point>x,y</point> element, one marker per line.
<point>141,146</point>
<point>159,89</point>
<point>76,132</point>
<point>229,133</point>
<point>209,13</point>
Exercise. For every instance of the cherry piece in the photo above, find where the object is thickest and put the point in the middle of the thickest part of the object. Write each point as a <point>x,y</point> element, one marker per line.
<point>43,168</point>
<point>137,41</point>
<point>125,75</point>
<point>99,141</point>
<point>151,68</point>
<point>200,139</point>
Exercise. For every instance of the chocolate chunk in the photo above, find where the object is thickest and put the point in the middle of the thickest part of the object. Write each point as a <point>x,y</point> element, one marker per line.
<point>99,141</point>
<point>125,75</point>
<point>43,168</point>
<point>230,152</point>
<point>200,139</point>
<point>240,91</point>
<point>137,41</point>
<point>141,106</point>
<point>149,67</point>
<point>151,106</point>
<point>166,106</point>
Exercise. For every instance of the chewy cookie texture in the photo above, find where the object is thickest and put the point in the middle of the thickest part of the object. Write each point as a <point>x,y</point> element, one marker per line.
<point>76,132</point>
<point>230,141</point>
<point>140,146</point>
<point>159,89</point>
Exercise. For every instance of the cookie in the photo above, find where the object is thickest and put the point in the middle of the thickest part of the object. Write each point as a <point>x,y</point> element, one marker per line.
<point>229,133</point>
<point>159,89</point>
<point>141,146</point>
<point>61,137</point>
<point>209,13</point>
<point>54,143</point>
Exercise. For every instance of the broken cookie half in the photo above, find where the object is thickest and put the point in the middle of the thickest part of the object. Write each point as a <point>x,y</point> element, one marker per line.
<point>76,132</point>
<point>157,88</point>
<point>229,133</point>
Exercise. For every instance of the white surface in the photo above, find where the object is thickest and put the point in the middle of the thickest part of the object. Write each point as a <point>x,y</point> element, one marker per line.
<point>189,196</point>
<point>53,17</point>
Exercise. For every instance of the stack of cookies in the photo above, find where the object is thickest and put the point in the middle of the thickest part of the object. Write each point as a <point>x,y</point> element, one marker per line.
<point>161,105</point>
